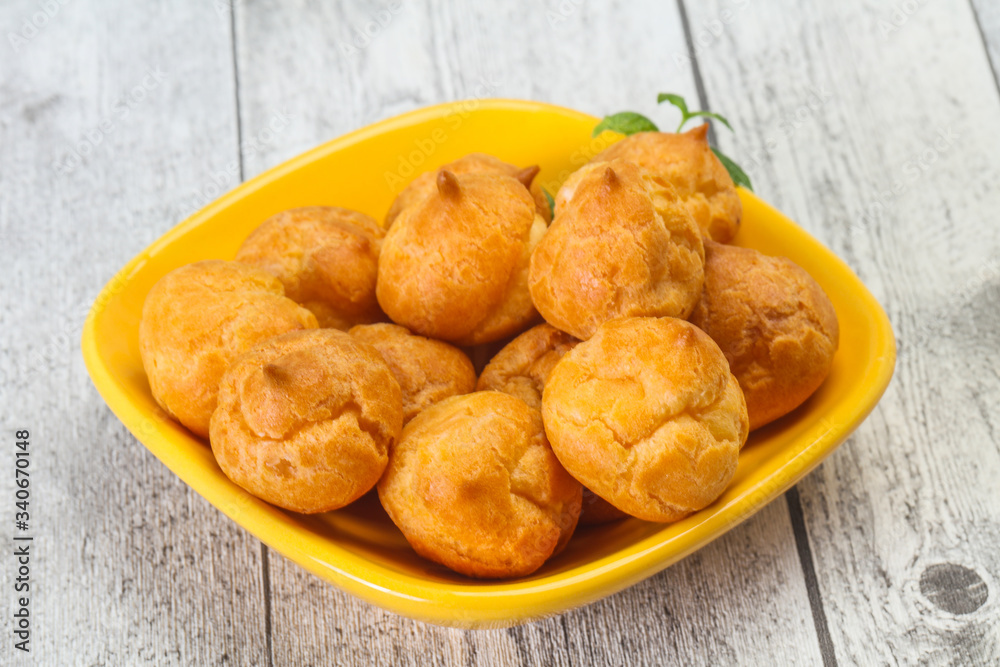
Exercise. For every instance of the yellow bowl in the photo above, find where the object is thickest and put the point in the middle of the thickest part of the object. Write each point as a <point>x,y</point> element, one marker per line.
<point>357,548</point>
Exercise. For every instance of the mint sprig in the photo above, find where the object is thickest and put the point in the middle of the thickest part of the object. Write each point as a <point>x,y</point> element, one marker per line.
<point>552,203</point>
<point>686,115</point>
<point>630,122</point>
<point>735,172</point>
<point>626,122</point>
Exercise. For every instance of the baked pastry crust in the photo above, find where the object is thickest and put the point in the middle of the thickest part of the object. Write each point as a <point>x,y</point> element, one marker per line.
<point>522,367</point>
<point>473,163</point>
<point>196,320</point>
<point>473,485</point>
<point>455,265</point>
<point>327,259</point>
<point>427,370</point>
<point>686,162</point>
<point>775,324</point>
<point>647,415</point>
<point>305,420</point>
<point>622,244</point>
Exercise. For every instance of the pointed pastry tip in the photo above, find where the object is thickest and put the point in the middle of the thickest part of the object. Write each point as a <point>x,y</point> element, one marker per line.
<point>700,132</point>
<point>276,373</point>
<point>527,175</point>
<point>447,184</point>
<point>610,177</point>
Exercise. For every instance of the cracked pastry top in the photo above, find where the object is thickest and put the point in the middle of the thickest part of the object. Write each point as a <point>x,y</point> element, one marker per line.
<point>622,244</point>
<point>196,320</point>
<point>327,259</point>
<point>647,415</point>
<point>775,324</point>
<point>427,370</point>
<point>305,420</point>
<point>473,163</point>
<point>473,485</point>
<point>686,162</point>
<point>454,266</point>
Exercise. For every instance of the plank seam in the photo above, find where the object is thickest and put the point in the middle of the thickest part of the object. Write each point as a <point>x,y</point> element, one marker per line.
<point>792,497</point>
<point>265,567</point>
<point>699,83</point>
<point>809,573</point>
<point>236,88</point>
<point>986,45</point>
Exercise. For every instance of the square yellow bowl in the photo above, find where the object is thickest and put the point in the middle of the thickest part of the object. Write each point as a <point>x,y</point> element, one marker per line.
<point>357,548</point>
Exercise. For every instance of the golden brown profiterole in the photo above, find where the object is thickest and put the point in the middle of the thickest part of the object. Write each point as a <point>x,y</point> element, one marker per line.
<point>775,324</point>
<point>305,420</point>
<point>647,415</point>
<point>622,244</point>
<point>196,320</point>
<point>454,266</point>
<point>473,484</point>
<point>327,259</point>
<point>686,162</point>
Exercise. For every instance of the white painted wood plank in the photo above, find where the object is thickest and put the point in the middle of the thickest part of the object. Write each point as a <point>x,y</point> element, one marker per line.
<point>988,17</point>
<point>130,566</point>
<point>904,521</point>
<point>316,60</point>
<point>740,600</point>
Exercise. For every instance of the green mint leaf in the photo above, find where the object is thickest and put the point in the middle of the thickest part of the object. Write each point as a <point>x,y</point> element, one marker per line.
<point>738,175</point>
<point>716,116</point>
<point>552,203</point>
<point>625,122</point>
<point>676,100</point>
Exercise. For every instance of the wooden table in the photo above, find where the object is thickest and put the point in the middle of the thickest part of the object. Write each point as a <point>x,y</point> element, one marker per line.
<point>874,125</point>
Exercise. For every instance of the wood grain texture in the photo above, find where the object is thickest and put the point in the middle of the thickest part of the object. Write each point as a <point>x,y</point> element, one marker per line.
<point>878,130</point>
<point>988,17</point>
<point>130,565</point>
<point>722,605</point>
<point>740,600</point>
<point>118,119</point>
